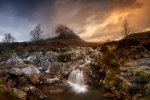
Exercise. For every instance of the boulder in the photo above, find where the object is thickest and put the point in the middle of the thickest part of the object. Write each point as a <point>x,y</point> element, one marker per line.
<point>52,80</point>
<point>29,89</point>
<point>20,94</point>
<point>15,60</point>
<point>31,70</point>
<point>16,71</point>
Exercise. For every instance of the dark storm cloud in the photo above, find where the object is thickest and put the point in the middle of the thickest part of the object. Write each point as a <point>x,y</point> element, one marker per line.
<point>20,16</point>
<point>25,8</point>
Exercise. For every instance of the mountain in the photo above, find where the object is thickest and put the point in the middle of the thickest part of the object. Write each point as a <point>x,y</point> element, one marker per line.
<point>67,37</point>
<point>65,34</point>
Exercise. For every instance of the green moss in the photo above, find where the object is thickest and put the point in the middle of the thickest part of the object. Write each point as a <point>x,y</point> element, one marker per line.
<point>7,54</point>
<point>144,77</point>
<point>20,51</point>
<point>147,91</point>
<point>111,80</point>
<point>125,87</point>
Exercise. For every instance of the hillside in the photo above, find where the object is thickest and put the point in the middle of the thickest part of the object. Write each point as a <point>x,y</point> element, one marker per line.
<point>141,38</point>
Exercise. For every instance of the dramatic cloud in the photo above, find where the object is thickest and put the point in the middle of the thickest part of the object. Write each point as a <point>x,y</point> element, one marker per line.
<point>19,17</point>
<point>92,20</point>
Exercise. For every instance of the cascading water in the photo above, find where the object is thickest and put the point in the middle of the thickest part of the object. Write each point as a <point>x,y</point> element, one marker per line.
<point>76,81</point>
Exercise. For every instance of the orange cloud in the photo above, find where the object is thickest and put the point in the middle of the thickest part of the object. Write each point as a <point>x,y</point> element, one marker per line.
<point>101,20</point>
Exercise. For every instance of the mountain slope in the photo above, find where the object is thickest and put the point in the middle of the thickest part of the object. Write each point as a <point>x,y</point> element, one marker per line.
<point>67,37</point>
<point>140,36</point>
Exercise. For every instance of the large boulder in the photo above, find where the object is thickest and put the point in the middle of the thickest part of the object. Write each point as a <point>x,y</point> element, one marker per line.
<point>31,70</point>
<point>20,94</point>
<point>14,60</point>
<point>16,71</point>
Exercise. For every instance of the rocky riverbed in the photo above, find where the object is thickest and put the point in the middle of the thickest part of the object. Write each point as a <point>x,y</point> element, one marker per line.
<point>44,74</point>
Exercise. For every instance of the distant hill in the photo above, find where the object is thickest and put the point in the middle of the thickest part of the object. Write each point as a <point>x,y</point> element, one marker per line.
<point>67,37</point>
<point>141,38</point>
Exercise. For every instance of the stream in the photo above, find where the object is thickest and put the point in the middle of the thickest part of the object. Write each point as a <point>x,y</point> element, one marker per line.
<point>66,93</point>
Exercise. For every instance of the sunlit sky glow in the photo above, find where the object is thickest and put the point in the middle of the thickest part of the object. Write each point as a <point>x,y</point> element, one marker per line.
<point>92,20</point>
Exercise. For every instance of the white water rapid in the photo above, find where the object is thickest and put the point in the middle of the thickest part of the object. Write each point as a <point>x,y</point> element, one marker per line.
<point>76,81</point>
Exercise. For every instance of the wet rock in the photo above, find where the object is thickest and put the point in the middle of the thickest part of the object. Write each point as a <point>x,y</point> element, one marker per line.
<point>31,70</point>
<point>31,58</point>
<point>44,65</point>
<point>20,94</point>
<point>29,88</point>
<point>53,80</point>
<point>16,71</point>
<point>109,95</point>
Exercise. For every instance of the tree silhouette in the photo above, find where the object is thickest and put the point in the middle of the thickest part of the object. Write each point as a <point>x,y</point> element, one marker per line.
<point>8,38</point>
<point>126,29</point>
<point>36,34</point>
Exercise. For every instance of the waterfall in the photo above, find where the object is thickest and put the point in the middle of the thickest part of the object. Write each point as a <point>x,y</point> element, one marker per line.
<point>76,81</point>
